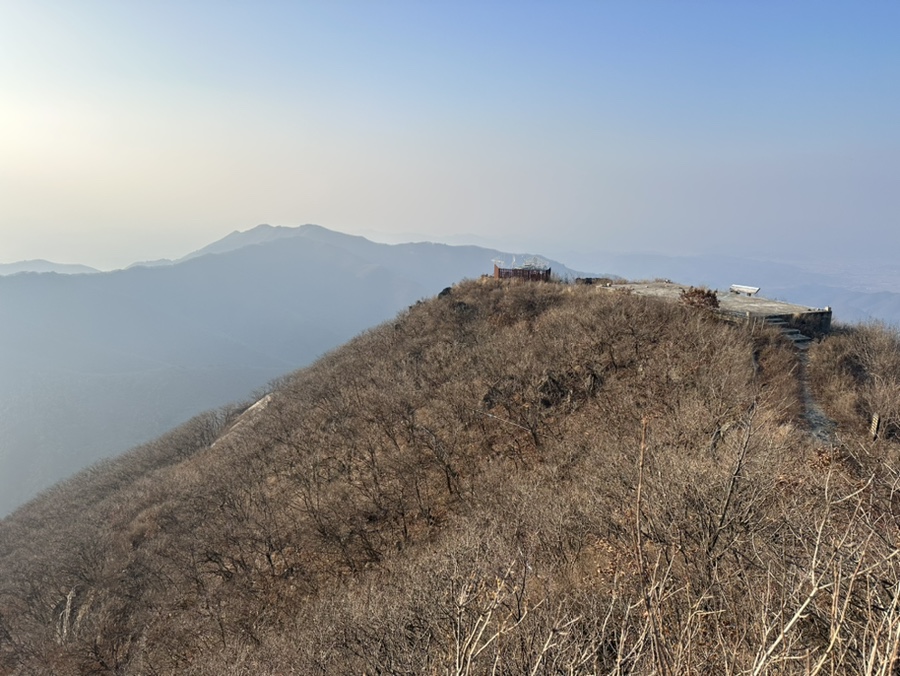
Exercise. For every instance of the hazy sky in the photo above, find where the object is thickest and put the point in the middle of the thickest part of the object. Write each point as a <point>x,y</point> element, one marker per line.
<point>138,130</point>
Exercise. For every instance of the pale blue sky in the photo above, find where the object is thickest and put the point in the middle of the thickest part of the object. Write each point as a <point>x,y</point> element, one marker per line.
<point>146,129</point>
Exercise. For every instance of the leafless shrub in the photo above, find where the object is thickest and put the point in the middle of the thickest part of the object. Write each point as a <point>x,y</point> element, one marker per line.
<point>516,479</point>
<point>700,297</point>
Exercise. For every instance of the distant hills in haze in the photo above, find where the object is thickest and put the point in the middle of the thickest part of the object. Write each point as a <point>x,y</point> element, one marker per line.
<point>857,292</point>
<point>93,364</point>
<point>39,265</point>
<point>261,234</point>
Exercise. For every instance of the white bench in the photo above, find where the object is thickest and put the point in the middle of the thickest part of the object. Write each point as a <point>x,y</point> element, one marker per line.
<point>740,288</point>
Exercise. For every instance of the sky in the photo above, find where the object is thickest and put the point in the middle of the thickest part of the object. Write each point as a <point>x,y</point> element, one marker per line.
<point>141,130</point>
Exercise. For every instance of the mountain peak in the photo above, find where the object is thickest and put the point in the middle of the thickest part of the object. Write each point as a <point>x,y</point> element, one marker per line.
<point>238,239</point>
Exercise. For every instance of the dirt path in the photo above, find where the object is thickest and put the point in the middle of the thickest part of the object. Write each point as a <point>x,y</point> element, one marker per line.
<point>821,427</point>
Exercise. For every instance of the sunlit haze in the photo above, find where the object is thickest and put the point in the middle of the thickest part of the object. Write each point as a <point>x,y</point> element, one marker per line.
<point>141,130</point>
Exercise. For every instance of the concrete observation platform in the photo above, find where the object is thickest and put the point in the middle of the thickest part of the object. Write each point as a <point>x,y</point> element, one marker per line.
<point>798,322</point>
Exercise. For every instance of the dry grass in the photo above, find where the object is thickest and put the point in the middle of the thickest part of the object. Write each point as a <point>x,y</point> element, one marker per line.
<point>512,479</point>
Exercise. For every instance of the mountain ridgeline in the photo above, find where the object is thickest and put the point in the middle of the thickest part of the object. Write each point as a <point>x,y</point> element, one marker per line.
<point>93,364</point>
<point>513,478</point>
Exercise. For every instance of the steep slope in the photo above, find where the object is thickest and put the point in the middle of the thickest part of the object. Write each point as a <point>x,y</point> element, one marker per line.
<point>509,479</point>
<point>91,365</point>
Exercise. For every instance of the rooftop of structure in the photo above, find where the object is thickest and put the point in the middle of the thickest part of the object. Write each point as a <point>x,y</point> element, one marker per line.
<point>729,302</point>
<point>525,266</point>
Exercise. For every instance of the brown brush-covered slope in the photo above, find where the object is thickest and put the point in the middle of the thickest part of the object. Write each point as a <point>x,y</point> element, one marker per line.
<point>511,479</point>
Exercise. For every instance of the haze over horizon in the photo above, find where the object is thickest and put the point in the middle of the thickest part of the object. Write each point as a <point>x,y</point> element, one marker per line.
<point>146,130</point>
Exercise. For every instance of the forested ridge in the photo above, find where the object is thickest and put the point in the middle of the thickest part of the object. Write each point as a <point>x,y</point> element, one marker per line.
<point>508,479</point>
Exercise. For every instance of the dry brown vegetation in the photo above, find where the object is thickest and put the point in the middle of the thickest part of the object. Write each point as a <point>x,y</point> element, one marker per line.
<point>700,297</point>
<point>856,374</point>
<point>511,479</point>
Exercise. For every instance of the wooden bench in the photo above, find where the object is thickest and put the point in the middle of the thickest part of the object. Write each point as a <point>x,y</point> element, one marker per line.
<point>740,288</point>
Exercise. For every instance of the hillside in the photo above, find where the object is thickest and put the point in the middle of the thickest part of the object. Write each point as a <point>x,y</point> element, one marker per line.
<point>509,479</point>
<point>91,365</point>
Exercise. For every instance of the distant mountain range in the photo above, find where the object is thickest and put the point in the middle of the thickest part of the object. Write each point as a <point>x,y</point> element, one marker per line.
<point>44,266</point>
<point>857,291</point>
<point>93,364</point>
